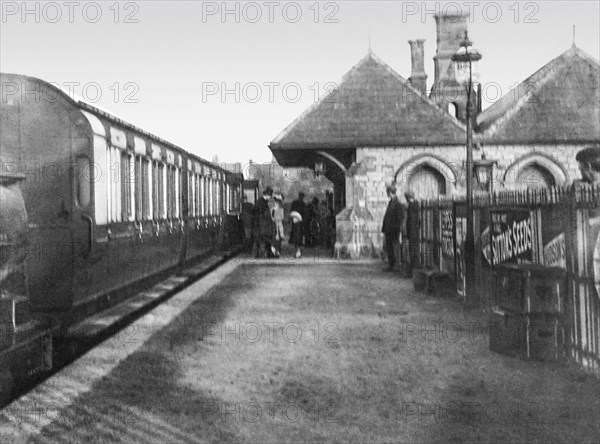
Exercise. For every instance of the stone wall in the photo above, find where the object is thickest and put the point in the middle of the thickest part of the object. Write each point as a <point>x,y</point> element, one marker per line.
<point>377,167</point>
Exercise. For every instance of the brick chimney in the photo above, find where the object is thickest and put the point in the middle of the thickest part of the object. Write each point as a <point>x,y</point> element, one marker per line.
<point>450,32</point>
<point>418,78</point>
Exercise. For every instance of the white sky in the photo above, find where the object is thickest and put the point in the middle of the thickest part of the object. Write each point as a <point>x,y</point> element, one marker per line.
<point>173,54</point>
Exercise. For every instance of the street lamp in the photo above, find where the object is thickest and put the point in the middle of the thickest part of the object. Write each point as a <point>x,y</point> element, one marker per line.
<point>319,169</point>
<point>464,60</point>
<point>484,172</point>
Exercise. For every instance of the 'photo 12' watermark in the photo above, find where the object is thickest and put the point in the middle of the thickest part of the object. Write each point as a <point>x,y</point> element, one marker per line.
<point>90,92</point>
<point>69,12</point>
<point>489,12</point>
<point>270,12</point>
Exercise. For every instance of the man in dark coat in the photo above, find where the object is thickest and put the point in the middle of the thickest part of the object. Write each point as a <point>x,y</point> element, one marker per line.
<point>263,224</point>
<point>392,226</point>
<point>411,232</point>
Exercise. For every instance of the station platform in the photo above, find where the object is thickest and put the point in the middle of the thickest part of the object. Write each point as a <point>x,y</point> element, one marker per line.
<point>305,350</point>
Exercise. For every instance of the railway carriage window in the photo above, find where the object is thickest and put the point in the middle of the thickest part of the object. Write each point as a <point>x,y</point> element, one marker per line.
<point>173,193</point>
<point>206,197</point>
<point>177,193</point>
<point>199,201</point>
<point>155,189</point>
<point>200,191</point>
<point>219,196</point>
<point>216,192</point>
<point>215,196</point>
<point>138,188</point>
<point>191,194</point>
<point>146,189</point>
<point>207,194</point>
<point>228,195</point>
<point>127,188</point>
<point>115,185</point>
<point>83,179</point>
<point>237,192</point>
<point>170,191</point>
<point>212,197</point>
<point>162,191</point>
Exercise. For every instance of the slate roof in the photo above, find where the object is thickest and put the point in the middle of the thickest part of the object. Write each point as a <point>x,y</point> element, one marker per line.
<point>558,103</point>
<point>373,106</point>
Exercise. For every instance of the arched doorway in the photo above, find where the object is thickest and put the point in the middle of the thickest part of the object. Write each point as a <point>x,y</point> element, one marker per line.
<point>427,183</point>
<point>535,175</point>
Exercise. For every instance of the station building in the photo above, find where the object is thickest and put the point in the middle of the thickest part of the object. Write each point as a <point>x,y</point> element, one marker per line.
<point>379,128</point>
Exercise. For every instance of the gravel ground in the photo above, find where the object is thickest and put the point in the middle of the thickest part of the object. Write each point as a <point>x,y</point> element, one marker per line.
<point>313,351</point>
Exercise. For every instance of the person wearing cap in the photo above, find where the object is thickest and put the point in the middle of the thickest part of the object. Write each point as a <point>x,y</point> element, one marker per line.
<point>263,224</point>
<point>589,165</point>
<point>392,226</point>
<point>297,211</point>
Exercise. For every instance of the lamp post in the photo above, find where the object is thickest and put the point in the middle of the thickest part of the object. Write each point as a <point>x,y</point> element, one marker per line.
<point>484,172</point>
<point>463,60</point>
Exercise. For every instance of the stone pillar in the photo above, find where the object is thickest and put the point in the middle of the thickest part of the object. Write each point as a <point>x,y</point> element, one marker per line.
<point>356,232</point>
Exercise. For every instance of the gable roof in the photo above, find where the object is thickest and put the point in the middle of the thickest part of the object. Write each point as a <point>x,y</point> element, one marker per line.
<point>372,106</point>
<point>558,103</point>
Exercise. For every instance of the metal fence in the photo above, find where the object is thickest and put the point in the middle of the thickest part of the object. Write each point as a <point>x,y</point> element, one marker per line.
<point>554,227</point>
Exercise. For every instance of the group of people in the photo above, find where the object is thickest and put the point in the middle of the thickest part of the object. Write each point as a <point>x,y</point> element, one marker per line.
<point>311,224</point>
<point>401,230</point>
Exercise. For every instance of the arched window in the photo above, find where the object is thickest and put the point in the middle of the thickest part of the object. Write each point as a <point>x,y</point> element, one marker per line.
<point>453,109</point>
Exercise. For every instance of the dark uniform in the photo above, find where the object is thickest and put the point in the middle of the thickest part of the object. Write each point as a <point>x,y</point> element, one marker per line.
<point>411,246</point>
<point>263,225</point>
<point>392,227</point>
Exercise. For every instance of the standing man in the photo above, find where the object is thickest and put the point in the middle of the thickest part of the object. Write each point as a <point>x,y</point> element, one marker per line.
<point>263,224</point>
<point>411,232</point>
<point>392,226</point>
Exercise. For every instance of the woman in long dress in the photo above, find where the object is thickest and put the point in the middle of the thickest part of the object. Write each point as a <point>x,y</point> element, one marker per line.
<point>277,216</point>
<point>296,214</point>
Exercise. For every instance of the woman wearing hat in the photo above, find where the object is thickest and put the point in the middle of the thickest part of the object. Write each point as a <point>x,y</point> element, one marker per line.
<point>296,214</point>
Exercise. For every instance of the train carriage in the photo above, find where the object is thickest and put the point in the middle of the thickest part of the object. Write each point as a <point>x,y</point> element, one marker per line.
<point>109,206</point>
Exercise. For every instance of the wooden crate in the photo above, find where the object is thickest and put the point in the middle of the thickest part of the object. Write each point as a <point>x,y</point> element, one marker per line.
<point>530,288</point>
<point>507,333</point>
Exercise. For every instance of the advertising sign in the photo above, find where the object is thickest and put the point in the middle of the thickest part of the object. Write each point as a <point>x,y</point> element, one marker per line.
<point>447,237</point>
<point>553,237</point>
<point>512,237</point>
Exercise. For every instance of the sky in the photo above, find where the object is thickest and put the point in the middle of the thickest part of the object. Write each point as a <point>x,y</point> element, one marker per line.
<point>225,78</point>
